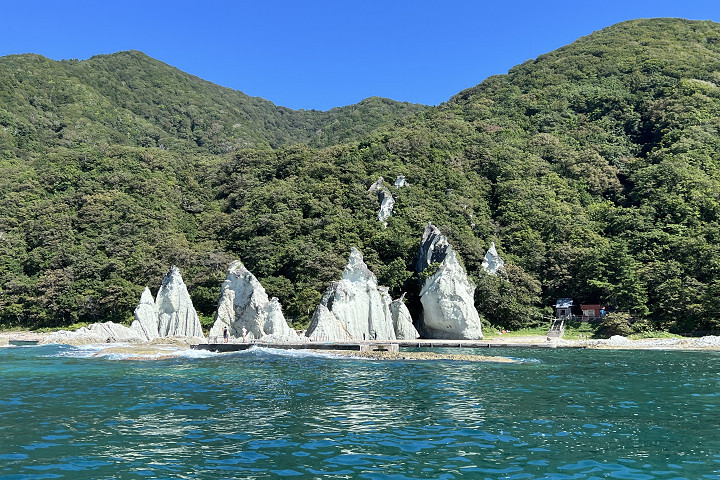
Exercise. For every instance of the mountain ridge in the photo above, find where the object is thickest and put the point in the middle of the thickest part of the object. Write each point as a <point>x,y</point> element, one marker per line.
<point>595,169</point>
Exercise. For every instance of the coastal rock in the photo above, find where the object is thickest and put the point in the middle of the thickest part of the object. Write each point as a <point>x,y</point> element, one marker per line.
<point>353,308</point>
<point>402,321</point>
<point>243,302</point>
<point>95,333</point>
<point>492,261</point>
<point>618,340</point>
<point>176,314</point>
<point>145,323</point>
<point>447,295</point>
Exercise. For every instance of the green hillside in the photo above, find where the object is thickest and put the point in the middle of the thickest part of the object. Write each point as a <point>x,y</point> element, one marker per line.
<point>594,169</point>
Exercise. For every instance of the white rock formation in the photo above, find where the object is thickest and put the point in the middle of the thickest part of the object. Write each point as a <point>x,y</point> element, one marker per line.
<point>400,182</point>
<point>176,314</point>
<point>402,321</point>
<point>387,202</point>
<point>377,186</point>
<point>145,323</point>
<point>171,314</point>
<point>354,308</point>
<point>447,296</point>
<point>243,302</point>
<point>95,333</point>
<point>492,261</point>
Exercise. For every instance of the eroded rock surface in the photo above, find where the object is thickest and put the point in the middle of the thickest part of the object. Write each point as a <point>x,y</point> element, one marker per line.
<point>176,314</point>
<point>492,262</point>
<point>447,295</point>
<point>107,332</point>
<point>402,321</point>
<point>145,323</point>
<point>387,202</point>
<point>244,303</point>
<point>354,308</point>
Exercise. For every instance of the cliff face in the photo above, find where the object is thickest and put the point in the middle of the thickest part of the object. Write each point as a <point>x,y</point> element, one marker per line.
<point>447,296</point>
<point>355,308</point>
<point>243,303</point>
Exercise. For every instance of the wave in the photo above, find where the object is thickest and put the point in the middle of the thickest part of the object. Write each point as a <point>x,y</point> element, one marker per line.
<point>128,351</point>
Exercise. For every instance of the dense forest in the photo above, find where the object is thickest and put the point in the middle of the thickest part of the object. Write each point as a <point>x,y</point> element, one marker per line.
<point>593,168</point>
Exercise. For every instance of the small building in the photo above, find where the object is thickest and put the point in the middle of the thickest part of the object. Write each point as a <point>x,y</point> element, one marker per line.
<point>563,307</point>
<point>592,311</point>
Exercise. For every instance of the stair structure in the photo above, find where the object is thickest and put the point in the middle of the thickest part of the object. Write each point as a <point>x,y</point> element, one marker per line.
<point>557,329</point>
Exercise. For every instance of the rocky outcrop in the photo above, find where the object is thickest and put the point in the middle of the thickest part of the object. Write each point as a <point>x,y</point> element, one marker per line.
<point>145,323</point>
<point>243,303</point>
<point>387,202</point>
<point>402,321</point>
<point>354,308</point>
<point>447,295</point>
<point>95,333</point>
<point>492,262</point>
<point>176,314</point>
<point>400,182</point>
<point>171,314</point>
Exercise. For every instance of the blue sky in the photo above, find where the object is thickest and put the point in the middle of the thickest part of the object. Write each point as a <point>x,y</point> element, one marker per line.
<point>323,54</point>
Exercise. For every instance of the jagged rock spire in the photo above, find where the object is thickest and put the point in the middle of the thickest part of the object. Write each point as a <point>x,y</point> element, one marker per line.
<point>447,295</point>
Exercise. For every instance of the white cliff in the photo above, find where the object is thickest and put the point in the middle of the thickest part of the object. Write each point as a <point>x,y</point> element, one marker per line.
<point>176,314</point>
<point>243,303</point>
<point>354,308</point>
<point>447,295</point>
<point>492,261</point>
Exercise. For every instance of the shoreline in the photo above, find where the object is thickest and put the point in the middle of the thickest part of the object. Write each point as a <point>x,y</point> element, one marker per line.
<point>707,343</point>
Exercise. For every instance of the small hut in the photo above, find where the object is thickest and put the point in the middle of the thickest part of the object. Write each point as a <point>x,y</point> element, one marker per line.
<point>563,307</point>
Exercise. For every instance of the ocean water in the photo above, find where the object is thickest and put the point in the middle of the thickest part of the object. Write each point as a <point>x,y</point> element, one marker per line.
<point>558,414</point>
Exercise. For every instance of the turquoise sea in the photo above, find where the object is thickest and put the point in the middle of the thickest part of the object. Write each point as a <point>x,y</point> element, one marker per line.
<point>558,414</point>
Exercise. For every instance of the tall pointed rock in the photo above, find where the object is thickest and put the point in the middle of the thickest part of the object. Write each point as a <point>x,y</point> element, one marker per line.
<point>243,302</point>
<point>145,323</point>
<point>447,295</point>
<point>492,261</point>
<point>176,314</point>
<point>354,308</point>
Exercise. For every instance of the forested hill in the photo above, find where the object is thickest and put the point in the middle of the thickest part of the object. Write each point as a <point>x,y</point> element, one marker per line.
<point>594,169</point>
<point>129,98</point>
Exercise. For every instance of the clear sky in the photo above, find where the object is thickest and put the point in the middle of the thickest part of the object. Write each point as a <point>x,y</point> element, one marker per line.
<point>320,53</point>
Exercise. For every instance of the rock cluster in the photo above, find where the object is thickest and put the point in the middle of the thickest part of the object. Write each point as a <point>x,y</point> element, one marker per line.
<point>356,308</point>
<point>447,295</point>
<point>492,262</point>
<point>171,315</point>
<point>243,303</point>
